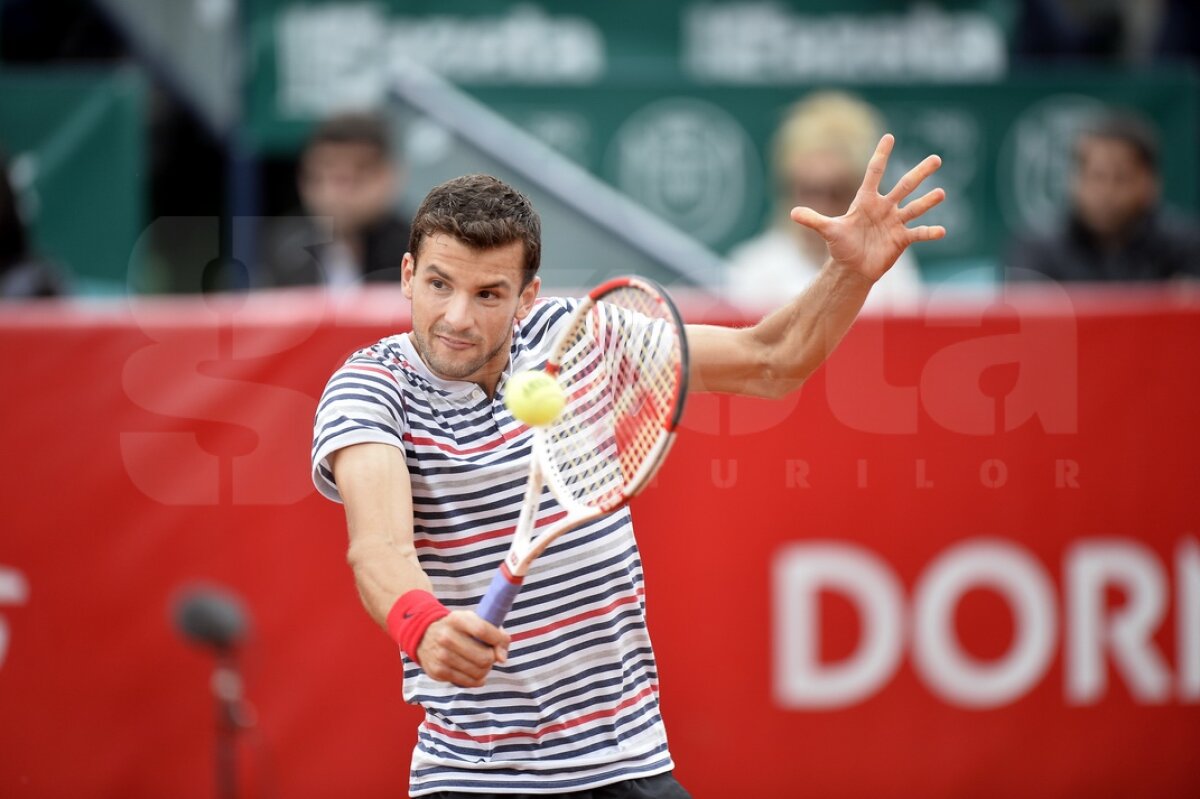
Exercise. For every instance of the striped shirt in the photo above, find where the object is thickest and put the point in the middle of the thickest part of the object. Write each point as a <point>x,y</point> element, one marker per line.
<point>576,705</point>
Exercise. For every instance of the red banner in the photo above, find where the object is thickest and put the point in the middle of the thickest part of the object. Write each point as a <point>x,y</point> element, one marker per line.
<point>963,560</point>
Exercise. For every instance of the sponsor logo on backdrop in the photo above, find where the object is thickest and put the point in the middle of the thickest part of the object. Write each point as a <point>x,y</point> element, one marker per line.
<point>770,43</point>
<point>1100,644</point>
<point>14,592</point>
<point>1033,171</point>
<point>329,59</point>
<point>688,161</point>
<point>339,54</point>
<point>522,44</point>
<point>336,57</point>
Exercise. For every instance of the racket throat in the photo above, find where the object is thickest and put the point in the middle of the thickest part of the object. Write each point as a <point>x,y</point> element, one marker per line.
<point>516,563</point>
<point>508,567</point>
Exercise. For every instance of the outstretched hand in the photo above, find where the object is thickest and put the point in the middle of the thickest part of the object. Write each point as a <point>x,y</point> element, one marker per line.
<point>870,236</point>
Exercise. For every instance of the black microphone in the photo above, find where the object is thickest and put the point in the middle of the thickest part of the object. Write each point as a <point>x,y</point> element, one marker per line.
<point>214,618</point>
<point>211,617</point>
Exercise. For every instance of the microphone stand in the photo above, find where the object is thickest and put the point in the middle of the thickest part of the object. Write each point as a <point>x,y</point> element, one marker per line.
<point>227,689</point>
<point>213,619</point>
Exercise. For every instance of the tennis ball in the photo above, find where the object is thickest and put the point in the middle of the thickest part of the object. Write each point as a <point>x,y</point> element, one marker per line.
<point>534,397</point>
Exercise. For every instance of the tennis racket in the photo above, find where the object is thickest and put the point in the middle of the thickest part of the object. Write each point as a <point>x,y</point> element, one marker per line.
<point>622,364</point>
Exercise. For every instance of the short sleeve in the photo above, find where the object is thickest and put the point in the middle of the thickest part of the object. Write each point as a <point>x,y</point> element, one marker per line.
<point>361,404</point>
<point>631,340</point>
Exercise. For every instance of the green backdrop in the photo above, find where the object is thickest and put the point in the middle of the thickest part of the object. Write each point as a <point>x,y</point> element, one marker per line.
<point>674,103</point>
<point>78,144</point>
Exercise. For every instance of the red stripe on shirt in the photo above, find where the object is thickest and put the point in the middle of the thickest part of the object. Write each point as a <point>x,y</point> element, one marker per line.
<point>453,450</point>
<point>373,369</point>
<point>547,730</point>
<point>590,614</point>
<point>423,541</point>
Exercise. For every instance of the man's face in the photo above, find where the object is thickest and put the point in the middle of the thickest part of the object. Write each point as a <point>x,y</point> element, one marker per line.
<point>464,302</point>
<point>351,182</point>
<point>824,182</point>
<point>1113,186</point>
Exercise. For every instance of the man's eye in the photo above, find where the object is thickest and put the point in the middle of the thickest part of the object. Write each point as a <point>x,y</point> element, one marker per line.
<point>438,284</point>
<point>486,295</point>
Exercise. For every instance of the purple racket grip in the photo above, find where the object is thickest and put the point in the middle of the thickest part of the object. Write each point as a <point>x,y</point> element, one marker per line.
<point>498,600</point>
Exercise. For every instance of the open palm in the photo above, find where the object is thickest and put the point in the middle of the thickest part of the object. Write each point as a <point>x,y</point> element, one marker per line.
<point>870,236</point>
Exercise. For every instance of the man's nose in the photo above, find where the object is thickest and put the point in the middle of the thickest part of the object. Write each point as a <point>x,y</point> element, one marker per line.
<point>458,311</point>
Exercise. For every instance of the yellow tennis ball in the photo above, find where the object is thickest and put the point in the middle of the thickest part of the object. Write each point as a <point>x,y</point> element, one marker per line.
<point>534,397</point>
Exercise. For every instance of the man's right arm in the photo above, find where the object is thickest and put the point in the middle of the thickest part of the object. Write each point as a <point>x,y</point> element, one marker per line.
<point>374,485</point>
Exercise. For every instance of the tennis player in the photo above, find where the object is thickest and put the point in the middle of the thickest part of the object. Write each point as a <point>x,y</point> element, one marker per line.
<point>413,436</point>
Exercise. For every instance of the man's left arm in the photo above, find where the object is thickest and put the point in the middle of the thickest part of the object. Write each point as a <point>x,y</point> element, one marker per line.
<point>778,354</point>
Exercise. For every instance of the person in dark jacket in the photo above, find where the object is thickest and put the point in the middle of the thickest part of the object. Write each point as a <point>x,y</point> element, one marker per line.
<point>350,232</point>
<point>1116,228</point>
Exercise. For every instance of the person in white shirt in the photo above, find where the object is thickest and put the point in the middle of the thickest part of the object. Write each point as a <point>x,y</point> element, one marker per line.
<point>819,153</point>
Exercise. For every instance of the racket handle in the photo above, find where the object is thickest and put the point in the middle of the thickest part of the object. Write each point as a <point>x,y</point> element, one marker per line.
<point>498,600</point>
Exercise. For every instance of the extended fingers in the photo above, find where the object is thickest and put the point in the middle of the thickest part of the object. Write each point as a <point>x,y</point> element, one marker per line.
<point>913,177</point>
<point>878,163</point>
<point>925,233</point>
<point>920,205</point>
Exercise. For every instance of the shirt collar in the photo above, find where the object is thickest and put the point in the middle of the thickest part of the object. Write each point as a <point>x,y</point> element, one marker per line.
<point>458,388</point>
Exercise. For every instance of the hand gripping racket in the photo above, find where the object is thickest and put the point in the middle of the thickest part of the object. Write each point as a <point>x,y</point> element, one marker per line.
<point>622,364</point>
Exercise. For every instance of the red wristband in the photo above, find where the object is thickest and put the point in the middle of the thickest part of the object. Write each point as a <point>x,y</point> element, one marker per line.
<point>411,616</point>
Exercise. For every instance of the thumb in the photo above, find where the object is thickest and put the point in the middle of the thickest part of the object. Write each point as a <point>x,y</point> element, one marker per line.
<point>487,633</point>
<point>803,215</point>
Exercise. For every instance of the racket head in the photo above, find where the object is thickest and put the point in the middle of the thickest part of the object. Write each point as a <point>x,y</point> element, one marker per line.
<point>622,362</point>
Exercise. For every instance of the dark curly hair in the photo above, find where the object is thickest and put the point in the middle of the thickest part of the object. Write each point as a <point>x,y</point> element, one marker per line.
<point>481,212</point>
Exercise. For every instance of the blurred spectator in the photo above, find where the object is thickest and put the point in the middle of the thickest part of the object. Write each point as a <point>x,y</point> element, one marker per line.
<point>819,155</point>
<point>22,272</point>
<point>1115,228</point>
<point>350,231</point>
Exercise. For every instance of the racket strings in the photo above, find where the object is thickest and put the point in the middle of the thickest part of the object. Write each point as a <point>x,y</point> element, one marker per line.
<point>620,368</point>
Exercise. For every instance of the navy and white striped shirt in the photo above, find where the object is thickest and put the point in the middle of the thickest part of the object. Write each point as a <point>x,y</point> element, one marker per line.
<point>576,705</point>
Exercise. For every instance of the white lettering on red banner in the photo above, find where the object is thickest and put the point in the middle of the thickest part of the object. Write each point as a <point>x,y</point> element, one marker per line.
<point>1093,636</point>
<point>14,590</point>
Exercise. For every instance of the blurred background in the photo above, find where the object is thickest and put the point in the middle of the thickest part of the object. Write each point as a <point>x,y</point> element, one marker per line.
<point>203,209</point>
<point>121,112</point>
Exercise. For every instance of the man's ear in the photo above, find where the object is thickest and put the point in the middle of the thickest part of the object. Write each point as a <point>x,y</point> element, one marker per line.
<point>408,268</point>
<point>528,297</point>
